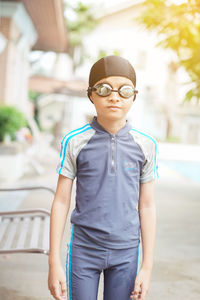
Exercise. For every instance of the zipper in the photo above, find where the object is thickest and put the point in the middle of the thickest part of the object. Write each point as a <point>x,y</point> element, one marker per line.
<point>112,155</point>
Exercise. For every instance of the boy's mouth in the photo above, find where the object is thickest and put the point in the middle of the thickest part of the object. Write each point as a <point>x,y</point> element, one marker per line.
<point>116,107</point>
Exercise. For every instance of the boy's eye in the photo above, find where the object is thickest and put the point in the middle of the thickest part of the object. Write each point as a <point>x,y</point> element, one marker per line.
<point>103,89</point>
<point>126,91</point>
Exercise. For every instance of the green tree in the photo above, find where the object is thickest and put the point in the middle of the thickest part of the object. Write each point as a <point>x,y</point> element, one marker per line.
<point>179,29</point>
<point>82,24</point>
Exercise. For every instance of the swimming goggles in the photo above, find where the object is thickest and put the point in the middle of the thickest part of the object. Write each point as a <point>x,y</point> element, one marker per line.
<point>104,89</point>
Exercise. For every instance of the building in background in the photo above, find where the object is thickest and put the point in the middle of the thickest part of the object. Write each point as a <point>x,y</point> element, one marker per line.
<point>24,26</point>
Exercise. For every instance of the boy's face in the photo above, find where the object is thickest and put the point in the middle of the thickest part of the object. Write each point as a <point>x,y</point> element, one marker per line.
<point>103,104</point>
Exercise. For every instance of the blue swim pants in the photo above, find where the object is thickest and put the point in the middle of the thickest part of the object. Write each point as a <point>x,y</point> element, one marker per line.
<point>86,260</point>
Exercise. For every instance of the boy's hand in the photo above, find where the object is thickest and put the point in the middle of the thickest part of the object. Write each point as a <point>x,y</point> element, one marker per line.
<point>57,282</point>
<point>142,283</point>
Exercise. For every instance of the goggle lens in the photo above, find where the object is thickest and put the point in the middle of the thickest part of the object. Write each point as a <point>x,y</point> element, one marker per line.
<point>126,91</point>
<point>103,90</point>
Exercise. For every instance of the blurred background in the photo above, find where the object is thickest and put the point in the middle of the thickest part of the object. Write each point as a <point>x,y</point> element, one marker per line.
<point>46,51</point>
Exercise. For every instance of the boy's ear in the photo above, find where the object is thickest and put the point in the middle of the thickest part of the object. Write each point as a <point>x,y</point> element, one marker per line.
<point>88,94</point>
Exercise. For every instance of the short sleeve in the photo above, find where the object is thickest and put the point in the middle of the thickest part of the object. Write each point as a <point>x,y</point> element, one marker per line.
<point>150,167</point>
<point>67,164</point>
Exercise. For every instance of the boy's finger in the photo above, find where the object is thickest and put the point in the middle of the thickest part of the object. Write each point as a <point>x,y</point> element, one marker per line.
<point>136,292</point>
<point>56,293</point>
<point>144,293</point>
<point>63,288</point>
<point>136,288</point>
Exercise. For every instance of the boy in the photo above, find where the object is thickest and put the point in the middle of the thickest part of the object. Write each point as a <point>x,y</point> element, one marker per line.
<point>115,166</point>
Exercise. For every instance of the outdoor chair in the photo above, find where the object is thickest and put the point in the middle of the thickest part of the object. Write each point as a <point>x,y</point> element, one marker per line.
<point>25,231</point>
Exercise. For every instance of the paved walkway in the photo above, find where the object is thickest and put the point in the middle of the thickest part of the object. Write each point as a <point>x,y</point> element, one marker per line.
<point>176,272</point>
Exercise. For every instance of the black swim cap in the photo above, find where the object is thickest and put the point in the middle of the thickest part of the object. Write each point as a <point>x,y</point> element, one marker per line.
<point>111,65</point>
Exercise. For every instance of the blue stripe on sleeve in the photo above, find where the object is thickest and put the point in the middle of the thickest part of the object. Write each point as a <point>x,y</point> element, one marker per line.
<point>66,142</point>
<point>70,133</point>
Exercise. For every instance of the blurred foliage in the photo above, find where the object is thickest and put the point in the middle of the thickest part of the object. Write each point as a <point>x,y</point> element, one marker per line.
<point>33,96</point>
<point>83,23</point>
<point>103,53</point>
<point>172,139</point>
<point>179,29</point>
<point>11,120</point>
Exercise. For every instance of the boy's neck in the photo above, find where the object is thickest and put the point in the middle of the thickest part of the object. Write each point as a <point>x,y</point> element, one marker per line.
<point>112,126</point>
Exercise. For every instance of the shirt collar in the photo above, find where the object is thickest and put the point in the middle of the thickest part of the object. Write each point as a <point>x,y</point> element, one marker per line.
<point>126,128</point>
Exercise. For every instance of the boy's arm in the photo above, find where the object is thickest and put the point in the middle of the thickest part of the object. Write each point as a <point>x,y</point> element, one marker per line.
<point>147,214</point>
<point>59,212</point>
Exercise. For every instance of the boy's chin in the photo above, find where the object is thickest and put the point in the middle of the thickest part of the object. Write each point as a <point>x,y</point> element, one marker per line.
<point>113,116</point>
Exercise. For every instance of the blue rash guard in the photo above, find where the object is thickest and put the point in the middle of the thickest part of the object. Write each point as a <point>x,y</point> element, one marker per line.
<point>109,169</point>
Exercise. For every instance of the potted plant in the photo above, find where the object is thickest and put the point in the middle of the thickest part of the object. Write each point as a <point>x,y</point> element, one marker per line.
<point>11,120</point>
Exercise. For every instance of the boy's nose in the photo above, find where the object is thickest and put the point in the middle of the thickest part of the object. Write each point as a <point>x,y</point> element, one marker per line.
<point>114,96</point>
